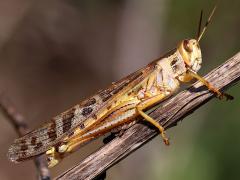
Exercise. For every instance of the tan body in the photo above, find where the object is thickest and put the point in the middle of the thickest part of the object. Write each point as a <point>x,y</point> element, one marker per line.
<point>120,103</point>
<point>160,83</point>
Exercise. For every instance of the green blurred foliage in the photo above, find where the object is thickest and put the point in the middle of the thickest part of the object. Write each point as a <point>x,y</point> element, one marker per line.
<point>216,146</point>
<point>62,42</point>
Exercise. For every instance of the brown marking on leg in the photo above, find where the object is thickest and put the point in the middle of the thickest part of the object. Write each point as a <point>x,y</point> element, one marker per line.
<point>94,116</point>
<point>109,107</point>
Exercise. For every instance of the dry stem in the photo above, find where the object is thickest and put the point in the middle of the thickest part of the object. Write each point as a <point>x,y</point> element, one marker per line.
<point>181,105</point>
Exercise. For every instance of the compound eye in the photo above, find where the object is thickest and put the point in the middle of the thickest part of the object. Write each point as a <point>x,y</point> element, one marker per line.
<point>187,46</point>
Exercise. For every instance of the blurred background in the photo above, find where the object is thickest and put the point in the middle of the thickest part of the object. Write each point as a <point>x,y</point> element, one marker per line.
<point>55,53</point>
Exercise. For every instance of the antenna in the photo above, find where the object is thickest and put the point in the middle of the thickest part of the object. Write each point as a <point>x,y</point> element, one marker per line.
<point>199,25</point>
<point>207,23</point>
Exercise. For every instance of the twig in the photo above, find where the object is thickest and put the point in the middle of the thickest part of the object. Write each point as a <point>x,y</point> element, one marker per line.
<point>181,105</point>
<point>17,121</point>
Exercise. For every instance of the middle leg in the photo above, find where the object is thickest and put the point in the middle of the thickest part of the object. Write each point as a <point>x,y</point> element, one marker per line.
<point>149,102</point>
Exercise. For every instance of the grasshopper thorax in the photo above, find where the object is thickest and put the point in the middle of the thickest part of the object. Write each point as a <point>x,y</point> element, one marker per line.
<point>191,54</point>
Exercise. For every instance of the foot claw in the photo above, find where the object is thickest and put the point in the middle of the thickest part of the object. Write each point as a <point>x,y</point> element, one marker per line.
<point>227,96</point>
<point>166,141</point>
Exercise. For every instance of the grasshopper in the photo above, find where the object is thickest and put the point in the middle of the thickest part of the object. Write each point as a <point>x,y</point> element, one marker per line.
<point>119,104</point>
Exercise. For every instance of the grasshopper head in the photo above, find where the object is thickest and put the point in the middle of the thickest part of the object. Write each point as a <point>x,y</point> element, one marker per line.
<point>191,54</point>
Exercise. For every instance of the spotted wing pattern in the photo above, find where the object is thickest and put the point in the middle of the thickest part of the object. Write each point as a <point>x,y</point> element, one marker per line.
<point>40,140</point>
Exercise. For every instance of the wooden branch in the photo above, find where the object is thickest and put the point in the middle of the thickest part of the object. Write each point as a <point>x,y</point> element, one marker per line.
<point>17,121</point>
<point>177,108</point>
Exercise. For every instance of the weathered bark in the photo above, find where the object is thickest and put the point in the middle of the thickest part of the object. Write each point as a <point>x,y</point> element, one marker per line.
<point>169,114</point>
